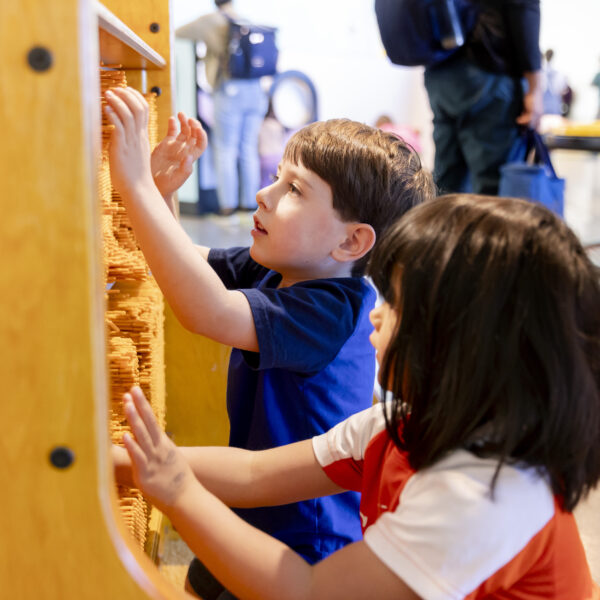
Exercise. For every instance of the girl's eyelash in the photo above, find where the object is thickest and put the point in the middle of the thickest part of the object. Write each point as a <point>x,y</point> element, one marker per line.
<point>273,177</point>
<point>294,189</point>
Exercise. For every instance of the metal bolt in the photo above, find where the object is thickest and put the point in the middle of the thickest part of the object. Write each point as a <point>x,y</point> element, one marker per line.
<point>39,58</point>
<point>156,90</point>
<point>154,27</point>
<point>62,457</point>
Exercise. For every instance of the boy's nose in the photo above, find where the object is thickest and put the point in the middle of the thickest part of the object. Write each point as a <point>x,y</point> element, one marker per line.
<point>263,198</point>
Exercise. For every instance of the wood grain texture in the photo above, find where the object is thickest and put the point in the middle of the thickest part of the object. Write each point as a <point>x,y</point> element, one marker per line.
<point>196,386</point>
<point>60,536</point>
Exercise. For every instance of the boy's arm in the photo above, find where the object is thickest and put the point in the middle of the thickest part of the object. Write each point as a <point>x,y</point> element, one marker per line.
<point>250,563</point>
<point>195,292</point>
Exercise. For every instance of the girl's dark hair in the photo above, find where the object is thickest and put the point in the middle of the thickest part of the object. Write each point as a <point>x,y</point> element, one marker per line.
<point>498,344</point>
<point>374,176</point>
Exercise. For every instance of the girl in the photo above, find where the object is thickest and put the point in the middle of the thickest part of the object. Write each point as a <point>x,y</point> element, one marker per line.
<point>489,346</point>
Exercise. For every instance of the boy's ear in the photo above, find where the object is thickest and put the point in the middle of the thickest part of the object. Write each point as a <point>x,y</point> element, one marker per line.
<point>360,239</point>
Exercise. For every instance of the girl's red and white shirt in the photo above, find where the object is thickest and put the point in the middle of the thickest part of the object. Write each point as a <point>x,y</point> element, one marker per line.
<point>443,532</point>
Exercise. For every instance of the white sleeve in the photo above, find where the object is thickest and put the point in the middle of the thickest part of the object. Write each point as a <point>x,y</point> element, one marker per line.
<point>350,438</point>
<point>448,535</point>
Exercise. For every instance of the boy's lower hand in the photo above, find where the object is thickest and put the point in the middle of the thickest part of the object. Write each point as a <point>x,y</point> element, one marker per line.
<point>159,468</point>
<point>129,150</point>
<point>173,158</point>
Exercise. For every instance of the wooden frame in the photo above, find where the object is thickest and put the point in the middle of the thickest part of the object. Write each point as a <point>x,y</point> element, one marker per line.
<point>62,537</point>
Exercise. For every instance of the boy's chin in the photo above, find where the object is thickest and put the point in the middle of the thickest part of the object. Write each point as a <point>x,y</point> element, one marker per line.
<point>255,256</point>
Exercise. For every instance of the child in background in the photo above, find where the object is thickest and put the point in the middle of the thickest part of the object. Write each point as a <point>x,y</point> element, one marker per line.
<point>294,306</point>
<point>488,340</point>
<point>272,138</point>
<point>408,134</point>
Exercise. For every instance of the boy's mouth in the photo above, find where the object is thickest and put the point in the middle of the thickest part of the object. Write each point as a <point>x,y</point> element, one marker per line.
<point>258,226</point>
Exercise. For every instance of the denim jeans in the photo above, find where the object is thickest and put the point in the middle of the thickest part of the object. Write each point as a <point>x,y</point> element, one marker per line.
<point>239,109</point>
<point>474,113</point>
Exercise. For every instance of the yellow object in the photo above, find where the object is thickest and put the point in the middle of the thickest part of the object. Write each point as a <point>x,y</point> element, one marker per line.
<point>579,129</point>
<point>63,535</point>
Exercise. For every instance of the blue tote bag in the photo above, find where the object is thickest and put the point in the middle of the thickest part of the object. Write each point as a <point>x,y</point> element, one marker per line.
<point>534,179</point>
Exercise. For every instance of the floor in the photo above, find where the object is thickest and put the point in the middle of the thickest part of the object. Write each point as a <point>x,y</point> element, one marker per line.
<point>582,212</point>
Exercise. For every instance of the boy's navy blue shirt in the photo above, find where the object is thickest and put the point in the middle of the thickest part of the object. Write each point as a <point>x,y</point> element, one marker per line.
<point>315,368</point>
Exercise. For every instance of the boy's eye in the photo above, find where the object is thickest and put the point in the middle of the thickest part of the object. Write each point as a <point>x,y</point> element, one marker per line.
<point>292,187</point>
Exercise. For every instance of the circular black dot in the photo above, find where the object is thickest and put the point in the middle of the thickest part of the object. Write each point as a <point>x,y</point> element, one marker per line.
<point>62,457</point>
<point>154,27</point>
<point>156,90</point>
<point>39,58</point>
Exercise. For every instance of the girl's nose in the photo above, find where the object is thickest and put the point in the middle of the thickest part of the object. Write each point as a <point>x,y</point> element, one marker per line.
<point>375,316</point>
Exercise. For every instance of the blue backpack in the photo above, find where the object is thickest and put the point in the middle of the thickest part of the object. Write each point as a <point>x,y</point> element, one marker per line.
<point>424,32</point>
<point>252,51</point>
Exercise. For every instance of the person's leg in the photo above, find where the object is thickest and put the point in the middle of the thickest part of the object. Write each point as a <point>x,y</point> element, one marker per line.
<point>227,131</point>
<point>450,169</point>
<point>255,104</point>
<point>489,131</point>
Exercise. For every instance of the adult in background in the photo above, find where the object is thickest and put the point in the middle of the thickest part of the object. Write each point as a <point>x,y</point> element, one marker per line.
<point>596,83</point>
<point>239,108</point>
<point>555,87</point>
<point>478,98</point>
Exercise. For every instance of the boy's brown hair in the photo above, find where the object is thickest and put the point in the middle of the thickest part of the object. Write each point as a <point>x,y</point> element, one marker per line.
<point>375,177</point>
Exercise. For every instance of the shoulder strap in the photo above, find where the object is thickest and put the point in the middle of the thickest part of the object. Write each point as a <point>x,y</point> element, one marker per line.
<point>542,155</point>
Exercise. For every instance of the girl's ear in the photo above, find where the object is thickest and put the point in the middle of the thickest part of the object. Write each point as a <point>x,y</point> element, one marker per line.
<point>360,239</point>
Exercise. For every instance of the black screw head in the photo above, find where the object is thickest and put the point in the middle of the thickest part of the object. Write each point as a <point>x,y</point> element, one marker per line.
<point>62,457</point>
<point>156,90</point>
<point>154,27</point>
<point>39,58</point>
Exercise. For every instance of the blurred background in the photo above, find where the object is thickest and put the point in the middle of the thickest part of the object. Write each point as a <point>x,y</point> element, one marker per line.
<point>336,45</point>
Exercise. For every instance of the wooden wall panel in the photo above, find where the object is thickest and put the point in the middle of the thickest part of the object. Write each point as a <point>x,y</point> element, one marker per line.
<point>60,536</point>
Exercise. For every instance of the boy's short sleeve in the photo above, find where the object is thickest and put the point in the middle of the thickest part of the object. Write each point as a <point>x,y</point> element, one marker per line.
<point>235,267</point>
<point>302,328</point>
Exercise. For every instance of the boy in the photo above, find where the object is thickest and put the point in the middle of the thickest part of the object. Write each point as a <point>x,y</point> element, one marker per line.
<point>294,307</point>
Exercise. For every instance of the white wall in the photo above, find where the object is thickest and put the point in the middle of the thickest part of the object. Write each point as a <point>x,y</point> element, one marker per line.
<point>336,43</point>
<point>572,29</point>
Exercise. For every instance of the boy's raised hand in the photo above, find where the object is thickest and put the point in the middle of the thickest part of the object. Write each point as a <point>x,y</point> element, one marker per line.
<point>129,151</point>
<point>159,468</point>
<point>173,158</point>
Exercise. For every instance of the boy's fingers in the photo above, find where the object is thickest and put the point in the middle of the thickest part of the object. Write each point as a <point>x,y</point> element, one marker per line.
<point>172,127</point>
<point>113,119</point>
<point>145,413</point>
<point>142,110</point>
<point>134,103</point>
<point>119,107</point>
<point>185,128</point>
<point>195,127</point>
<point>133,97</point>
<point>199,134</point>
<point>140,97</point>
<point>138,426</point>
<point>186,165</point>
